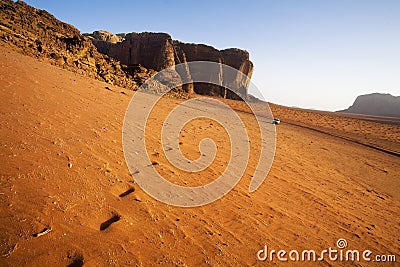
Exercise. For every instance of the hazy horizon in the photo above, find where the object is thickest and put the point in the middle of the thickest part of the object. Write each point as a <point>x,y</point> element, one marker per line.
<point>309,54</point>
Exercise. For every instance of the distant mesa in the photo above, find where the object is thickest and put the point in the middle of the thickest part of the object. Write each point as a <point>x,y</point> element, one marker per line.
<point>376,104</point>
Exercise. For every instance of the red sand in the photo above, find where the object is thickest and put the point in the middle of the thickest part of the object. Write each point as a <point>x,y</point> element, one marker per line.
<point>63,168</point>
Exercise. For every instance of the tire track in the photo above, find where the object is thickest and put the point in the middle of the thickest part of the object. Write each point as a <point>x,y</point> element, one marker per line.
<point>390,152</point>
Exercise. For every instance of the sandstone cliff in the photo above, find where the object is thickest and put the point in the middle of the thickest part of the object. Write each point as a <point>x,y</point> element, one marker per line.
<point>158,51</point>
<point>376,104</point>
<point>37,33</point>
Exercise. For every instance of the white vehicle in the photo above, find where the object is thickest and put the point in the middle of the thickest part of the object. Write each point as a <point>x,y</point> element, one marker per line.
<point>276,121</point>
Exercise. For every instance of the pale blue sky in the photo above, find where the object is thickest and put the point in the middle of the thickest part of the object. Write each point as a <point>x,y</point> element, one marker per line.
<point>316,54</point>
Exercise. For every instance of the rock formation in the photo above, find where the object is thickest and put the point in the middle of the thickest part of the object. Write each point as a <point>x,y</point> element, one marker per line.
<point>158,51</point>
<point>126,60</point>
<point>376,104</point>
<point>106,36</point>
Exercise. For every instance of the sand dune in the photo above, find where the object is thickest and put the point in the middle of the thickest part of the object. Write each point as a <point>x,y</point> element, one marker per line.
<point>63,169</point>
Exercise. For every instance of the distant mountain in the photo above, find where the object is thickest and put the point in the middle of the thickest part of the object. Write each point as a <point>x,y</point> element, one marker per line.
<point>376,104</point>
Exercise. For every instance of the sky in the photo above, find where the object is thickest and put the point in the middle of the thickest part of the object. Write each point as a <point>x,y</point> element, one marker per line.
<point>318,54</point>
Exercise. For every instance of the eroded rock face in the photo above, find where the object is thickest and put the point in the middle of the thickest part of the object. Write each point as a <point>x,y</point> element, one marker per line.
<point>37,33</point>
<point>158,51</point>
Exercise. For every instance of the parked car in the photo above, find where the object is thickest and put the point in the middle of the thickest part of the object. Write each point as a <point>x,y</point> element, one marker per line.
<point>276,121</point>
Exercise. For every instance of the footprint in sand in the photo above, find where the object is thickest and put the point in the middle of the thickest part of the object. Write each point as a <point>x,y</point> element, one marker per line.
<point>127,192</point>
<point>106,224</point>
<point>77,260</point>
<point>122,189</point>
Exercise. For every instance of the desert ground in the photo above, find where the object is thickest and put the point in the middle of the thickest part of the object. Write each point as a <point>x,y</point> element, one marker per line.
<point>63,168</point>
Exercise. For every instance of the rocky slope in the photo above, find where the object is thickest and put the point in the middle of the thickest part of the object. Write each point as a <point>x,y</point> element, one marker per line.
<point>37,33</point>
<point>376,104</point>
<point>158,51</point>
